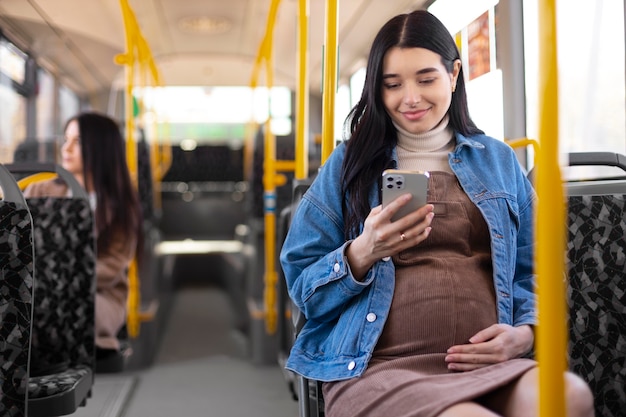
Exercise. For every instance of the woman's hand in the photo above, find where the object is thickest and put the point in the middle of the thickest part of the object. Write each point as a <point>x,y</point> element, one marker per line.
<point>381,237</point>
<point>495,344</point>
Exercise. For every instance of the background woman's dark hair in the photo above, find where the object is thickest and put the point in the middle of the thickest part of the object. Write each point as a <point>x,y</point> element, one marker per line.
<point>372,134</point>
<point>104,161</point>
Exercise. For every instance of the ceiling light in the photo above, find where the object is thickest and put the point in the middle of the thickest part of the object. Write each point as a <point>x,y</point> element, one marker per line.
<point>204,24</point>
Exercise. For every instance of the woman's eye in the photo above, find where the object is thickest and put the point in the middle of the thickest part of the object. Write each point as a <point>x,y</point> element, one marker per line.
<point>72,140</point>
<point>391,86</point>
<point>427,81</point>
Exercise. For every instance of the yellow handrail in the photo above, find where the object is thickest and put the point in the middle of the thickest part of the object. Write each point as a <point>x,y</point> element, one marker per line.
<point>137,53</point>
<point>40,176</point>
<point>520,142</point>
<point>128,59</point>
<point>302,93</point>
<point>550,228</point>
<point>330,78</point>
<point>271,179</point>
<point>160,151</point>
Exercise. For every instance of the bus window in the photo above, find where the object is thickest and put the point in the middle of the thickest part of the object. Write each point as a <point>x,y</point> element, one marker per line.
<point>69,106</point>
<point>473,24</point>
<point>591,76</point>
<point>12,103</point>
<point>46,127</point>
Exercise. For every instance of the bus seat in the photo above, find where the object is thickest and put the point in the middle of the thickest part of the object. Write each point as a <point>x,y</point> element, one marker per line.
<point>16,296</point>
<point>145,185</point>
<point>32,150</point>
<point>287,311</point>
<point>63,339</point>
<point>285,150</point>
<point>307,392</point>
<point>596,291</point>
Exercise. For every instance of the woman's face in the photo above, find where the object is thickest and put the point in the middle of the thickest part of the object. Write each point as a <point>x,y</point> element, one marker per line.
<point>416,88</point>
<point>72,159</point>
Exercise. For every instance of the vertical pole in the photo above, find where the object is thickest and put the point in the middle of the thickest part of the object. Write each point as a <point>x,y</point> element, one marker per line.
<point>302,94</point>
<point>128,60</point>
<point>137,52</point>
<point>330,78</point>
<point>550,232</point>
<point>270,179</point>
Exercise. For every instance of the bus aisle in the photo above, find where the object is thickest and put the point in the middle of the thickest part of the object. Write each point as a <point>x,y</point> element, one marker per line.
<point>202,368</point>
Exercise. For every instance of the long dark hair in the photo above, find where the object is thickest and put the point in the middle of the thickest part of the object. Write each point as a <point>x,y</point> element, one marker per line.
<point>372,133</point>
<point>104,163</point>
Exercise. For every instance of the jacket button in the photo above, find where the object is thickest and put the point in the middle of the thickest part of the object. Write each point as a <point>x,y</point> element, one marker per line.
<point>386,258</point>
<point>336,268</point>
<point>371,317</point>
<point>351,365</point>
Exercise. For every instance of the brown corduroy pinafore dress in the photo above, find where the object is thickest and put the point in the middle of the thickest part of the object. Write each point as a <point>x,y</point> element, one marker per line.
<point>444,294</point>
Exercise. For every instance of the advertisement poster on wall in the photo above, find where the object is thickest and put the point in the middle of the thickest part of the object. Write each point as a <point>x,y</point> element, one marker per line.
<point>478,46</point>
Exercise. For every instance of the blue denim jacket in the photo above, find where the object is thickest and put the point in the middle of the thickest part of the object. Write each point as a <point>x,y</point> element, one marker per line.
<point>345,317</point>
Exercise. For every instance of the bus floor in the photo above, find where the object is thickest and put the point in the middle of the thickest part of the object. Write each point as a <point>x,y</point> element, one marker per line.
<point>202,368</point>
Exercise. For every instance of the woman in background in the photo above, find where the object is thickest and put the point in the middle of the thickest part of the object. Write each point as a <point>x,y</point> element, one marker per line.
<point>93,151</point>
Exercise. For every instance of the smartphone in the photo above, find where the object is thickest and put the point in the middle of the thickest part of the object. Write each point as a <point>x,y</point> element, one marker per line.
<point>397,182</point>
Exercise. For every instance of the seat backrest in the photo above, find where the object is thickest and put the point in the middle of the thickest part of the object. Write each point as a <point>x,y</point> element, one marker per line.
<point>63,335</point>
<point>145,186</point>
<point>16,296</point>
<point>63,320</point>
<point>596,291</point>
<point>64,238</point>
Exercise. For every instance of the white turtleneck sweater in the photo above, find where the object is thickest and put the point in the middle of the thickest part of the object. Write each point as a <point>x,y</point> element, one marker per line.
<point>426,151</point>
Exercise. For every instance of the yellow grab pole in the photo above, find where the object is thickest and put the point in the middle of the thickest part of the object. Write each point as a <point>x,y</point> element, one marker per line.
<point>519,142</point>
<point>128,60</point>
<point>137,52</point>
<point>330,79</point>
<point>302,93</point>
<point>550,229</point>
<point>270,180</point>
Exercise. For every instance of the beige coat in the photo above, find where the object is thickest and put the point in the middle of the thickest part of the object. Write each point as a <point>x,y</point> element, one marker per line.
<point>111,273</point>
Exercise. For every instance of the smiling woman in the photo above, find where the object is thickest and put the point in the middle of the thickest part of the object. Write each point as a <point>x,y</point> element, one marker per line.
<point>417,87</point>
<point>347,259</point>
<point>218,184</point>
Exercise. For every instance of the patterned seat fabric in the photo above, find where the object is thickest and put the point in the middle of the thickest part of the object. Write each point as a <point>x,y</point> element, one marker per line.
<point>63,318</point>
<point>597,297</point>
<point>54,384</point>
<point>16,293</point>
